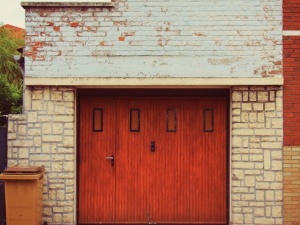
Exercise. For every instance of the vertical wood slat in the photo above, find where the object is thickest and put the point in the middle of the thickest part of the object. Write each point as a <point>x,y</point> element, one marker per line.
<point>184,180</point>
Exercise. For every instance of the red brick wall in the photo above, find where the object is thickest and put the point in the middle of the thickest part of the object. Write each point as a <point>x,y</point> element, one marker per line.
<point>291,73</point>
<point>291,14</point>
<point>291,100</point>
<point>291,104</point>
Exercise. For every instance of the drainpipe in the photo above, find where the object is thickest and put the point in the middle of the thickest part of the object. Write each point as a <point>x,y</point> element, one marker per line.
<point>20,60</point>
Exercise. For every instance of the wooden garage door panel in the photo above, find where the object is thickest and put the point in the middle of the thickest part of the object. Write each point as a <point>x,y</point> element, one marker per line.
<point>190,180</point>
<point>132,163</point>
<point>183,181</point>
<point>96,175</point>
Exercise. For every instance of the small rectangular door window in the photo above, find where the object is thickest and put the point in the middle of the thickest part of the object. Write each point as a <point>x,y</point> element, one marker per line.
<point>134,125</point>
<point>208,120</point>
<point>97,120</point>
<point>171,120</point>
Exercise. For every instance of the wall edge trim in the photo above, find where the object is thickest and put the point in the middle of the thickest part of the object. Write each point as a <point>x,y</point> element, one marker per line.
<point>150,82</point>
<point>291,33</point>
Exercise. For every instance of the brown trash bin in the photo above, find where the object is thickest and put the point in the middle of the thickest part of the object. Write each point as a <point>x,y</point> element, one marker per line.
<point>23,195</point>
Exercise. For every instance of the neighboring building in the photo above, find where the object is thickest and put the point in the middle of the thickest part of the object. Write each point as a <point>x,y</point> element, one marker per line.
<point>291,103</point>
<point>16,32</point>
<point>154,111</point>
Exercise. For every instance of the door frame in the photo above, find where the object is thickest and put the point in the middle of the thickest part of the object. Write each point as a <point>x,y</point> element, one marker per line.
<point>3,165</point>
<point>161,92</point>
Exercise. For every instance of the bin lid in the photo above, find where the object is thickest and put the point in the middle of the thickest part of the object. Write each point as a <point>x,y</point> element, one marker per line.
<point>24,170</point>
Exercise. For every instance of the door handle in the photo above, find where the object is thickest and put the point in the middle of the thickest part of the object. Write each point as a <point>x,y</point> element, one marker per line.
<point>112,159</point>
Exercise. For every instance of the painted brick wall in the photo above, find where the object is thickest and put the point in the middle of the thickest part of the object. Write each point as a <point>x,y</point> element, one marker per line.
<point>156,39</point>
<point>291,15</point>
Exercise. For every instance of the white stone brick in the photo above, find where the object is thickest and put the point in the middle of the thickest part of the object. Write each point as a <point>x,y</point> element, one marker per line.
<point>243,165</point>
<point>68,218</point>
<point>270,195</point>
<point>32,117</point>
<point>270,106</point>
<point>47,128</point>
<point>57,128</point>
<point>267,159</point>
<point>258,106</point>
<point>248,197</point>
<point>246,107</point>
<point>56,96</point>
<point>277,123</point>
<point>243,132</point>
<point>37,105</point>
<point>269,176</point>
<point>271,145</point>
<point>264,132</point>
<point>277,211</point>
<point>277,165</point>
<point>69,166</point>
<point>278,195</point>
<point>256,158</point>
<point>259,212</point>
<point>263,96</point>
<point>52,138</point>
<point>22,143</point>
<point>276,186</point>
<point>238,218</point>
<point>260,195</point>
<point>262,185</point>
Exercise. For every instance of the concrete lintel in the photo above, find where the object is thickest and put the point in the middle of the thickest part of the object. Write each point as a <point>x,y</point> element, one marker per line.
<point>67,4</point>
<point>291,33</point>
<point>152,82</point>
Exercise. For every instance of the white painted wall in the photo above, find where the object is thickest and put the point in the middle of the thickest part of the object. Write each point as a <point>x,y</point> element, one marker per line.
<point>156,39</point>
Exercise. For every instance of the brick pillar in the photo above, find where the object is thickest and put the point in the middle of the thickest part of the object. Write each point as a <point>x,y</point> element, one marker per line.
<point>45,135</point>
<point>256,157</point>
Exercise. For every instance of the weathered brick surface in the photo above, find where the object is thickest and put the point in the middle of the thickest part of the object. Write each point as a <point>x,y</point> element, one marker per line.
<point>291,62</point>
<point>219,38</point>
<point>45,135</point>
<point>257,155</point>
<point>291,185</point>
<point>291,14</point>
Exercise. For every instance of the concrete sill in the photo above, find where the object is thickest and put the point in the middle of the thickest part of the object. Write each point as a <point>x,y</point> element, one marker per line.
<point>67,4</point>
<point>150,82</point>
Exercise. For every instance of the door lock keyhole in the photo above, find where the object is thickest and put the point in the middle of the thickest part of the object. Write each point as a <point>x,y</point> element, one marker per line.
<point>152,146</point>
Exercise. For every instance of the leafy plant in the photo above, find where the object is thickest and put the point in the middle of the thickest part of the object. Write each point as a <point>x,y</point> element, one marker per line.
<point>10,75</point>
<point>9,43</point>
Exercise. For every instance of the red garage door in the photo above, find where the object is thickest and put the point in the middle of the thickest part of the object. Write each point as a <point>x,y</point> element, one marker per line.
<point>152,160</point>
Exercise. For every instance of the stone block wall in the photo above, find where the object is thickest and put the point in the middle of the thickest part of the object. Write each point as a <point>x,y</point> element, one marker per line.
<point>45,135</point>
<point>256,156</point>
